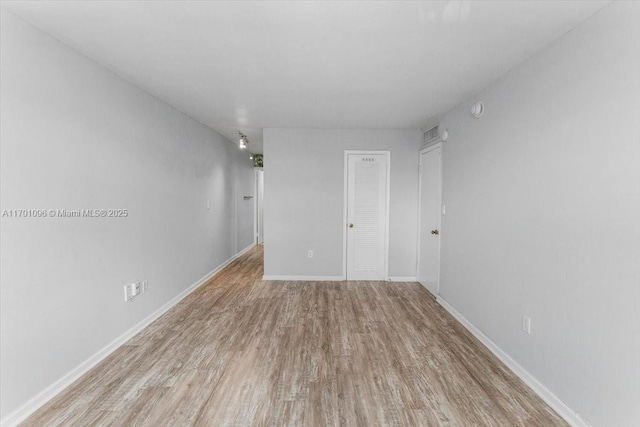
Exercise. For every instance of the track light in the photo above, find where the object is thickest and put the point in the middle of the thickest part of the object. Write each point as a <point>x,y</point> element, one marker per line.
<point>243,140</point>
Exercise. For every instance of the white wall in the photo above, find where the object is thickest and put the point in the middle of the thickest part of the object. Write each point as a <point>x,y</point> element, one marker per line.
<point>543,216</point>
<point>304,191</point>
<point>76,136</point>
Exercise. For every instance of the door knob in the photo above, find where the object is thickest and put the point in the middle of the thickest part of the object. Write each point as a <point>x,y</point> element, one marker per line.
<point>435,232</point>
<point>350,225</point>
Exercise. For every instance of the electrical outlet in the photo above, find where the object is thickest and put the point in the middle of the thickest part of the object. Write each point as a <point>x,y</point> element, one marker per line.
<point>310,254</point>
<point>145,286</point>
<point>526,324</point>
<point>134,289</point>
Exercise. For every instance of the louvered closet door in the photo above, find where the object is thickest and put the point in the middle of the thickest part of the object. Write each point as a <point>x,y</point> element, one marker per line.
<point>366,216</point>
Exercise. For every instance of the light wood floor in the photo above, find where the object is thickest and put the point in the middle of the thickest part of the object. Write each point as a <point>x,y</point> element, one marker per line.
<point>240,352</point>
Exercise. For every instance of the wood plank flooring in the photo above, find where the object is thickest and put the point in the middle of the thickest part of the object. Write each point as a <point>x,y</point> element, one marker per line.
<point>241,352</point>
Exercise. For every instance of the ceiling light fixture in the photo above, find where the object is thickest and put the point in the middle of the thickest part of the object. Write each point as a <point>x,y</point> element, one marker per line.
<point>243,140</point>
<point>477,110</point>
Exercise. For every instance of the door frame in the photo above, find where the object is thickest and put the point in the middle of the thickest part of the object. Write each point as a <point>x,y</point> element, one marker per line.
<point>256,216</point>
<point>345,203</point>
<point>424,151</point>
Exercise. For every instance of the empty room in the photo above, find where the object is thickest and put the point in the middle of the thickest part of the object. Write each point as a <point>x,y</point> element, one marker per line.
<point>320,213</point>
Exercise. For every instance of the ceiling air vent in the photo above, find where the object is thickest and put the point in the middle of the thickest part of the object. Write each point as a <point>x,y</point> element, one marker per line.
<point>430,135</point>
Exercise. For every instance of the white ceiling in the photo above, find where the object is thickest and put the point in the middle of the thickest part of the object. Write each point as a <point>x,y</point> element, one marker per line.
<point>250,65</point>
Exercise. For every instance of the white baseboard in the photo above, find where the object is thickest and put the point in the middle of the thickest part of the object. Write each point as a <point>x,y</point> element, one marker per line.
<point>545,394</point>
<point>36,402</point>
<point>329,278</point>
<point>305,278</point>
<point>403,279</point>
<point>242,252</point>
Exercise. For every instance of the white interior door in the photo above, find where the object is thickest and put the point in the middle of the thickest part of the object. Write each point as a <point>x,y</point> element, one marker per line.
<point>430,209</point>
<point>367,189</point>
<point>259,206</point>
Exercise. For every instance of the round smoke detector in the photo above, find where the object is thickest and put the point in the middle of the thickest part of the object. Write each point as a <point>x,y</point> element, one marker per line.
<point>477,110</point>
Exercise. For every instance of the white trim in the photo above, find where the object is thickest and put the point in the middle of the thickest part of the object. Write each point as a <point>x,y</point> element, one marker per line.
<point>431,147</point>
<point>345,202</point>
<point>432,143</point>
<point>255,206</point>
<point>238,255</point>
<point>330,278</point>
<point>424,151</point>
<point>387,213</point>
<point>545,394</point>
<point>345,208</point>
<point>36,402</point>
<point>256,202</point>
<point>305,278</point>
<point>403,279</point>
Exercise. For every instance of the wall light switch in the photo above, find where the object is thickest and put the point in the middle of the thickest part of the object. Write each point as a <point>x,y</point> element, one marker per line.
<point>526,324</point>
<point>444,210</point>
<point>134,289</point>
